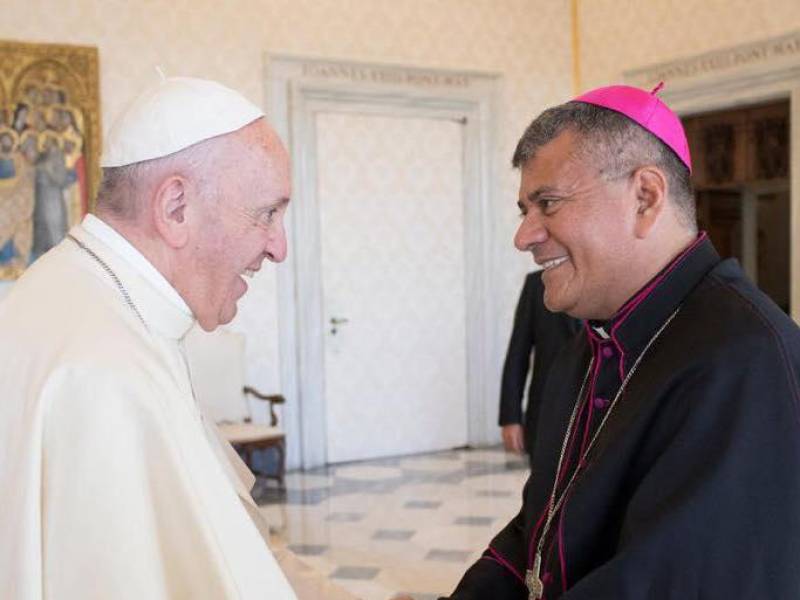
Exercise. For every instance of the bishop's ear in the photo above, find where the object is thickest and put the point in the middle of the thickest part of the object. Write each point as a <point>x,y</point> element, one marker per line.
<point>169,208</point>
<point>650,187</point>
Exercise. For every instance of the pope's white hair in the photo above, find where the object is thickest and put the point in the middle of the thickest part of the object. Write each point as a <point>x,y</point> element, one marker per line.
<point>122,188</point>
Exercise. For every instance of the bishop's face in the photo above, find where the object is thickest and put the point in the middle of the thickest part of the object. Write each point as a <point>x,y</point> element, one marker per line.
<point>579,228</point>
<point>241,227</point>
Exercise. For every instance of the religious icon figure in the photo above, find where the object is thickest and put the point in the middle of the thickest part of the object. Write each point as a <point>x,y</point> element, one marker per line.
<point>49,147</point>
<point>16,198</point>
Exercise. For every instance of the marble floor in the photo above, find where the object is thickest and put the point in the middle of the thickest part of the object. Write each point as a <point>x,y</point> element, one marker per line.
<point>401,525</point>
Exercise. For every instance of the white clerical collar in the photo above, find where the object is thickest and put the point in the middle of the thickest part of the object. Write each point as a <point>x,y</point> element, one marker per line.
<point>109,236</point>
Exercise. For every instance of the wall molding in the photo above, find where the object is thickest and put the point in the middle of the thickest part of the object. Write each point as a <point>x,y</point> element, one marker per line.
<point>769,59</point>
<point>738,76</point>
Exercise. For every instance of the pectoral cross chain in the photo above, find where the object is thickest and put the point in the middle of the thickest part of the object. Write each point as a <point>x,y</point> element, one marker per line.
<point>532,580</point>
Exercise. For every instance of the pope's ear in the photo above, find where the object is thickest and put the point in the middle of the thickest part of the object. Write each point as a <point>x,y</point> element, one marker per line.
<point>169,211</point>
<point>650,187</point>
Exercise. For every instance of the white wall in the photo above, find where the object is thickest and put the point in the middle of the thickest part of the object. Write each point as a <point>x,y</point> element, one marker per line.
<point>619,35</point>
<point>525,41</point>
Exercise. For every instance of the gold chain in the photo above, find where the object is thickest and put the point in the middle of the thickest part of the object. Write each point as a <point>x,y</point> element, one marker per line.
<point>554,506</point>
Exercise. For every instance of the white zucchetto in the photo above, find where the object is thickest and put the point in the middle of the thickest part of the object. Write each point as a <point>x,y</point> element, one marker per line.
<point>172,115</point>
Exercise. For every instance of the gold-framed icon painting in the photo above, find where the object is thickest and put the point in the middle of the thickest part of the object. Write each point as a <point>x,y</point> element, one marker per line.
<point>49,146</point>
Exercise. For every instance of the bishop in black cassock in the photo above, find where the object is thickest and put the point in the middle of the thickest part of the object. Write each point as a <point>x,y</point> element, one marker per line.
<point>667,455</point>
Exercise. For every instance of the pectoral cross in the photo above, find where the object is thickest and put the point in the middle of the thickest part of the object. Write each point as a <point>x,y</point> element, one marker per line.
<point>532,580</point>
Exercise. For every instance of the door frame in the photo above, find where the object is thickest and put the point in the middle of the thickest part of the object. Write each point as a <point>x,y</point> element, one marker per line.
<point>298,89</point>
<point>741,75</point>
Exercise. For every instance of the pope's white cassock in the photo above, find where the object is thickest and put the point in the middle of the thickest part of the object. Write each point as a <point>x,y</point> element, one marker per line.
<point>112,484</point>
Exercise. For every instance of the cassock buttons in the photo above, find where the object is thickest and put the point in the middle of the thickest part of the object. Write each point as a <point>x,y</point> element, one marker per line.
<point>600,403</point>
<point>608,352</point>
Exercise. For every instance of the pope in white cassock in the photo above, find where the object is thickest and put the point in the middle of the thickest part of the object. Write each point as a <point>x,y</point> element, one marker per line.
<point>112,483</point>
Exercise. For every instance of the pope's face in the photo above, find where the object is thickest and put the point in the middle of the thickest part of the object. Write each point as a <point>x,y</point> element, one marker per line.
<point>241,227</point>
<point>578,227</point>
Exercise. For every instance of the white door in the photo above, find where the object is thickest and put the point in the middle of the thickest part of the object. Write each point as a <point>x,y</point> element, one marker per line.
<point>391,212</point>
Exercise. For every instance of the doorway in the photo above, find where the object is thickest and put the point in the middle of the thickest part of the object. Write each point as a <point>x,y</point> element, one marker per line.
<point>392,230</point>
<point>316,100</point>
<point>742,184</point>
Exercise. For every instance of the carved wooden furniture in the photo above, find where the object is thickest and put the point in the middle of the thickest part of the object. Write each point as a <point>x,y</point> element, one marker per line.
<point>217,366</point>
<point>247,436</point>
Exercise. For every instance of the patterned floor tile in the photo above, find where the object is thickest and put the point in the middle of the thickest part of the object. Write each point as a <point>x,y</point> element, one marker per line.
<point>431,464</point>
<point>352,572</point>
<point>409,524</point>
<point>448,555</point>
<point>308,549</point>
<point>361,472</point>
<point>474,521</point>
<point>424,504</point>
<point>393,534</point>
<point>345,517</point>
<point>366,590</point>
<point>494,493</point>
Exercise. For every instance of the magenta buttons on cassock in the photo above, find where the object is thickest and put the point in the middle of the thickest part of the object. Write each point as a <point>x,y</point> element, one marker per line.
<point>600,403</point>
